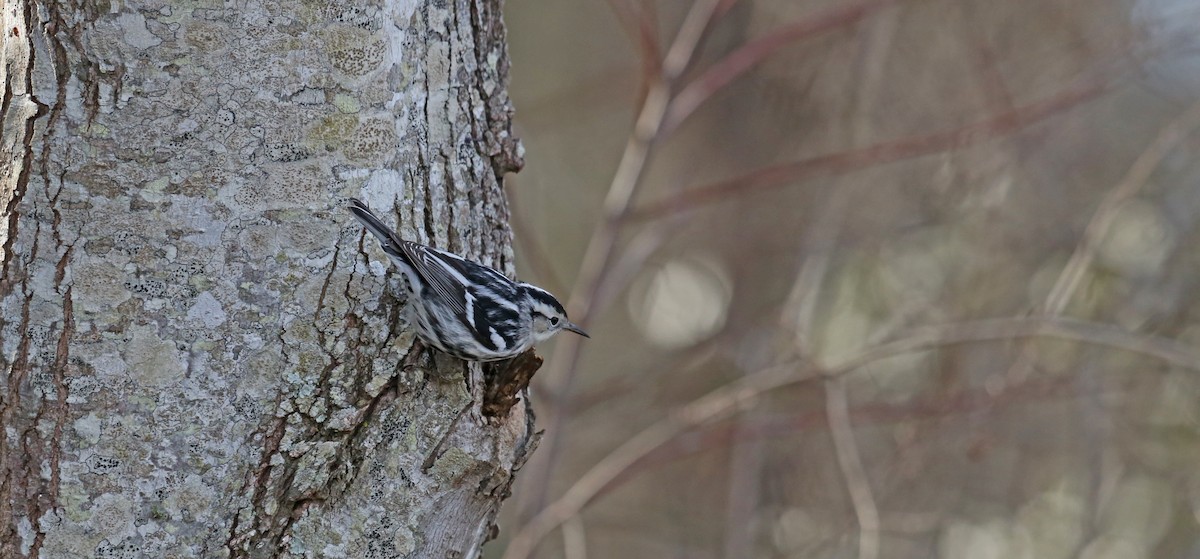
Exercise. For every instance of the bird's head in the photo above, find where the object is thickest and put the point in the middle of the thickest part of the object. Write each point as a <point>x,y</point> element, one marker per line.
<point>549,316</point>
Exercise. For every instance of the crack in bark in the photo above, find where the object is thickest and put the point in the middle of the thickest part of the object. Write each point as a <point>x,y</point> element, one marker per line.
<point>273,530</point>
<point>62,349</point>
<point>85,13</point>
<point>290,506</point>
<point>504,151</point>
<point>26,494</point>
<point>22,182</point>
<point>14,484</point>
<point>522,452</point>
<point>257,480</point>
<point>20,459</point>
<point>334,360</point>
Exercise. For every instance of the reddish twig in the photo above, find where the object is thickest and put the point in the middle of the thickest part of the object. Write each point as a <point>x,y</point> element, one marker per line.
<point>602,246</point>
<point>1138,175</point>
<point>641,29</point>
<point>992,85</point>
<point>748,430</point>
<point>647,36</point>
<point>754,52</point>
<point>1073,273</point>
<point>837,410</point>
<point>881,153</point>
<point>726,400</point>
<point>534,253</point>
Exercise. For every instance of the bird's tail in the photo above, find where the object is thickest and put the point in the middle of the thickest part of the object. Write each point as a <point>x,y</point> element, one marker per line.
<point>387,237</point>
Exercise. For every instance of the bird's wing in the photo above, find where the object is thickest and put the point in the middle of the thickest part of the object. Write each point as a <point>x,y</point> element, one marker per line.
<point>489,298</point>
<point>417,256</point>
<point>445,280</point>
<point>478,295</point>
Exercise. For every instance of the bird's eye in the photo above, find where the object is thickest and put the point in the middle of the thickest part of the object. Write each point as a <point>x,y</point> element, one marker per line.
<point>554,321</point>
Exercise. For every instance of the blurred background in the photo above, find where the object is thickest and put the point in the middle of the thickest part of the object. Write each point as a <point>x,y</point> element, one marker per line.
<point>895,279</point>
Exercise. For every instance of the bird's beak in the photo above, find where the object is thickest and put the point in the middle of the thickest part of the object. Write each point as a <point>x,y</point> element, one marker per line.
<point>576,329</point>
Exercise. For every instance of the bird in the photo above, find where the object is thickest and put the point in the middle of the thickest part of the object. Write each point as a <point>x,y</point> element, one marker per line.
<point>464,308</point>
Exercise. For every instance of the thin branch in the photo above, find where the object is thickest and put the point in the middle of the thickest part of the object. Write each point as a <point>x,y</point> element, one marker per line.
<point>1085,252</point>
<point>992,85</point>
<point>626,266</point>
<point>1139,173</point>
<point>533,251</point>
<point>985,130</point>
<point>625,17</point>
<point>602,246</point>
<point>821,239</point>
<point>574,539</point>
<point>726,400</point>
<point>877,41</point>
<point>650,45</point>
<point>838,413</point>
<point>723,7</point>
<point>716,435</point>
<point>746,460</point>
<point>641,30</point>
<point>687,40</point>
<point>754,52</point>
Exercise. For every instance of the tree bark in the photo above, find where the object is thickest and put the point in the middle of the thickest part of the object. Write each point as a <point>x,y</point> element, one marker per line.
<point>200,356</point>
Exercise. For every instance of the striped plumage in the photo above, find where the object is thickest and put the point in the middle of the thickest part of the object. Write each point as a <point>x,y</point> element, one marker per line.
<point>466,309</point>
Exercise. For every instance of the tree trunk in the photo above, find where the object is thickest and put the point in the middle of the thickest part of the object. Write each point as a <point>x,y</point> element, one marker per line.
<point>200,355</point>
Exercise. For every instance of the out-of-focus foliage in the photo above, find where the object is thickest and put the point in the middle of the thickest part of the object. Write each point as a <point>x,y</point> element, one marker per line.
<point>981,217</point>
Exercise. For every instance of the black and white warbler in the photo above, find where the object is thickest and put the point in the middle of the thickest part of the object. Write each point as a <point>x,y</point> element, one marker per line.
<point>466,309</point>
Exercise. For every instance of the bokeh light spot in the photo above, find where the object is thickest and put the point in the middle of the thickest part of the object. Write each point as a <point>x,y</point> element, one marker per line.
<point>680,302</point>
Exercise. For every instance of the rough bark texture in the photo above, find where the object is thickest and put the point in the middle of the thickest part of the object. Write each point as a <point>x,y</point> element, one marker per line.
<point>199,355</point>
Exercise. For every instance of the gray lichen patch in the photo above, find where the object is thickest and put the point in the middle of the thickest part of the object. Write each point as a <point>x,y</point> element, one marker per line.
<point>152,360</point>
<point>333,131</point>
<point>353,50</point>
<point>207,311</point>
<point>205,36</point>
<point>99,286</point>
<point>456,465</point>
<point>373,140</point>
